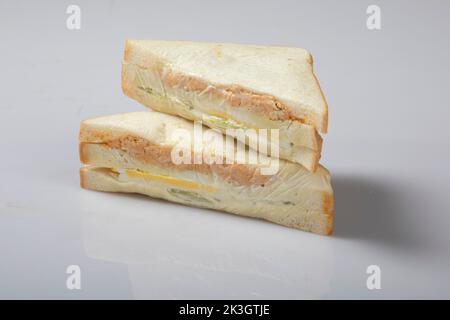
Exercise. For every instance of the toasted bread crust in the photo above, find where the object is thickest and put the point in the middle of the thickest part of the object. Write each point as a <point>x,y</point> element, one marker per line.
<point>328,228</point>
<point>328,203</point>
<point>82,152</point>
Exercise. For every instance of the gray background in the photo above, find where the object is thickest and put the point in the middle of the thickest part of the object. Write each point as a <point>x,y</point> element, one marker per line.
<point>387,149</point>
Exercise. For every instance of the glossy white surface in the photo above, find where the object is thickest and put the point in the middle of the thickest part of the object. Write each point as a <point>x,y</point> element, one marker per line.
<point>387,148</point>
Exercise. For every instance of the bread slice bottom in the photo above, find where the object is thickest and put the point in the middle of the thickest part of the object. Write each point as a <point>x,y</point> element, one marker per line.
<point>105,179</point>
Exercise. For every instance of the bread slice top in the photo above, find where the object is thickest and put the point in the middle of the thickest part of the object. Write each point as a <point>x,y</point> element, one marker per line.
<point>153,132</point>
<point>284,73</point>
<point>155,127</point>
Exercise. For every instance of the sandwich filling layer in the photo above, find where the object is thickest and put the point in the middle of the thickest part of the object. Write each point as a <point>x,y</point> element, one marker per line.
<point>290,188</point>
<point>169,180</point>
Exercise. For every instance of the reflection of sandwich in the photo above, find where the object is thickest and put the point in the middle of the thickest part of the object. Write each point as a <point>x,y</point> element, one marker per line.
<point>158,245</point>
<point>133,153</point>
<point>230,86</point>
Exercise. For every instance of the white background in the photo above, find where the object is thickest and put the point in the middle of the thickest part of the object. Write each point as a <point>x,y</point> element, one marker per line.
<point>387,149</point>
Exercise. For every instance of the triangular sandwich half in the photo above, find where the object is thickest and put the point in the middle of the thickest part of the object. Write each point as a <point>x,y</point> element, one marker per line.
<point>229,86</point>
<point>134,152</point>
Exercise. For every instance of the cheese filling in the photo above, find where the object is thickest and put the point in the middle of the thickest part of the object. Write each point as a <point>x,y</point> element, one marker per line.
<point>177,182</point>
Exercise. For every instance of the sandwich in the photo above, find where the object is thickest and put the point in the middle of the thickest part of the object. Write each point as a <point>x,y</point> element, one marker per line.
<point>231,86</point>
<point>137,153</point>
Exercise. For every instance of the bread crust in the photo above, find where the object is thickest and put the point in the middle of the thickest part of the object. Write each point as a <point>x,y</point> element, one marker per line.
<point>328,202</point>
<point>82,178</point>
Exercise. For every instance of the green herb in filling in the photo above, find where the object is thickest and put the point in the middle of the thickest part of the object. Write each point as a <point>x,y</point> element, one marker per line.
<point>189,196</point>
<point>223,123</point>
<point>146,89</point>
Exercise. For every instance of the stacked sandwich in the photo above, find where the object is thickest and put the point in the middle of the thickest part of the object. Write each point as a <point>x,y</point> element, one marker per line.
<point>231,89</point>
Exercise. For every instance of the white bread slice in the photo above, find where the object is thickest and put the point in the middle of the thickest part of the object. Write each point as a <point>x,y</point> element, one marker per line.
<point>140,143</point>
<point>230,85</point>
<point>103,179</point>
<point>152,124</point>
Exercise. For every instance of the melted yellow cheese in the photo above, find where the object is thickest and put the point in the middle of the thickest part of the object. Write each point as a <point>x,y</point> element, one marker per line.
<point>168,180</point>
<point>219,114</point>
